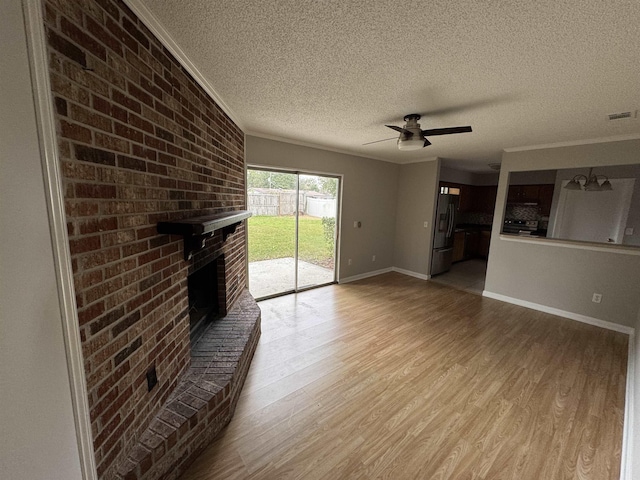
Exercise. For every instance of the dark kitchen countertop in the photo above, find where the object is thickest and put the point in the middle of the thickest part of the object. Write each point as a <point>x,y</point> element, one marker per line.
<point>534,234</point>
<point>473,227</point>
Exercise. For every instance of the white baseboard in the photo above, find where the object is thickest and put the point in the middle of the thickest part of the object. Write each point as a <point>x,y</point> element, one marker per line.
<point>364,275</point>
<point>627,456</point>
<point>626,459</point>
<point>561,313</point>
<point>421,276</point>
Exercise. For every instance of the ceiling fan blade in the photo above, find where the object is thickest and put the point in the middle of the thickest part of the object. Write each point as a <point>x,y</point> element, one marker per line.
<point>426,143</point>
<point>445,131</point>
<point>378,141</point>
<point>400,129</point>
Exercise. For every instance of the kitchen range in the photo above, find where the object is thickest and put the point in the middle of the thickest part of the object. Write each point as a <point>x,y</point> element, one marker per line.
<point>520,227</point>
<point>528,205</point>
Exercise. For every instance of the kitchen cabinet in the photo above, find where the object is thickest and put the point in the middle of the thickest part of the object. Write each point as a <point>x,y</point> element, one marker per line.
<point>545,199</point>
<point>484,199</point>
<point>523,193</point>
<point>541,195</point>
<point>458,246</point>
<point>471,243</point>
<point>483,245</point>
<point>466,198</point>
<point>473,198</point>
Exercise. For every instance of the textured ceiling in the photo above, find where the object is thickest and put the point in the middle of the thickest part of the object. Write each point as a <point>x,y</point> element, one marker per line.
<point>332,73</point>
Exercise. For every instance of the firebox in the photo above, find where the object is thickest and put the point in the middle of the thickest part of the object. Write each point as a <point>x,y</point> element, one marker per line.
<point>206,295</point>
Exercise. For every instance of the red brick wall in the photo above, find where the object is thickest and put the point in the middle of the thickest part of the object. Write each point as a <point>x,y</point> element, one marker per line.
<point>140,142</point>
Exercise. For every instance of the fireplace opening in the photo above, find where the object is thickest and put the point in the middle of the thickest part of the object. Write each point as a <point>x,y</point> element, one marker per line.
<point>206,294</point>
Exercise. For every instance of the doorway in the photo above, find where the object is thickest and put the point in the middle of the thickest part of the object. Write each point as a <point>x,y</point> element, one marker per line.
<point>463,234</point>
<point>292,231</point>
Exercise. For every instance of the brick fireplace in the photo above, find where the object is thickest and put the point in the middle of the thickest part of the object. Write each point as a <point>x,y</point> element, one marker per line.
<point>140,143</point>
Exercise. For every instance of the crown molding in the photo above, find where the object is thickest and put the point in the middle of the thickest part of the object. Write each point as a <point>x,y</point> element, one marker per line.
<point>153,24</point>
<point>332,149</point>
<point>574,143</point>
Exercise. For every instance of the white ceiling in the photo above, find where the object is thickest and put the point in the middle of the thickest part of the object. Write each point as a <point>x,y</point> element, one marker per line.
<point>332,73</point>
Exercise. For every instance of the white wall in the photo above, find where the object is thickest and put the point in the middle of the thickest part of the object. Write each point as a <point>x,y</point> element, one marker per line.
<point>548,274</point>
<point>369,196</point>
<point>613,172</point>
<point>38,438</point>
<point>417,194</point>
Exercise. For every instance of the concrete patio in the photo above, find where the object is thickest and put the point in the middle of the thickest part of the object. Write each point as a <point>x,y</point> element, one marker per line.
<point>270,277</point>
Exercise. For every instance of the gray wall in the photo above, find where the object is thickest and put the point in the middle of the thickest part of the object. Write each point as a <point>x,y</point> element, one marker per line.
<point>560,277</point>
<point>417,192</point>
<point>38,439</point>
<point>448,174</point>
<point>369,196</point>
<point>533,177</point>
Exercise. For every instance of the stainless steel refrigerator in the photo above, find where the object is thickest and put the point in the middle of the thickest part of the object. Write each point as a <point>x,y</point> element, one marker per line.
<point>445,225</point>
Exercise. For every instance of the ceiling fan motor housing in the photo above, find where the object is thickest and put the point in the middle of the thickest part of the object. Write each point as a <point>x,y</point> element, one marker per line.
<point>412,118</point>
<point>411,137</point>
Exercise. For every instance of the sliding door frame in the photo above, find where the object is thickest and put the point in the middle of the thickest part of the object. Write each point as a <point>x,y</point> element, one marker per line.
<point>336,245</point>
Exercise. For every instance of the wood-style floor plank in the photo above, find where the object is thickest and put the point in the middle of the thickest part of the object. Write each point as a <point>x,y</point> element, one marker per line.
<point>393,377</point>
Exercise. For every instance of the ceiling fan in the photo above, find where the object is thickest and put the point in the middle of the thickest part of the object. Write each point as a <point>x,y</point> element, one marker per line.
<point>413,138</point>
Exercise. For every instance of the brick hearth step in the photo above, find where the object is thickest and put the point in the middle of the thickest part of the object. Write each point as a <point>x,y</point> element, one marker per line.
<point>204,400</point>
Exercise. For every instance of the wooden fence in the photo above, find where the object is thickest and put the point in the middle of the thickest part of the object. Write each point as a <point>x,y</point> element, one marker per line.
<point>272,202</point>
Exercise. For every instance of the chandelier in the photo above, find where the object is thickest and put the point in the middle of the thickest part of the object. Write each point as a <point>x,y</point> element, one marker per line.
<point>591,183</point>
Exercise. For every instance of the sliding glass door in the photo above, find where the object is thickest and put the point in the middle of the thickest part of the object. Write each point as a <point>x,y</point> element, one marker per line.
<point>292,232</point>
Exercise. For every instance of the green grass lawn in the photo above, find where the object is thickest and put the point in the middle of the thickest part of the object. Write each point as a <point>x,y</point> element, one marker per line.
<point>274,237</point>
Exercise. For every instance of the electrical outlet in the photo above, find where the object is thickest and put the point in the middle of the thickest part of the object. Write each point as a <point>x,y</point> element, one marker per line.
<point>597,298</point>
<point>373,259</point>
<point>152,378</point>
<point>426,224</point>
<point>349,261</point>
<point>355,224</point>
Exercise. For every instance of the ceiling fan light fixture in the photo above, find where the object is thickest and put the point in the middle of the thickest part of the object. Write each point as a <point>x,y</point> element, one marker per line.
<point>412,137</point>
<point>414,142</point>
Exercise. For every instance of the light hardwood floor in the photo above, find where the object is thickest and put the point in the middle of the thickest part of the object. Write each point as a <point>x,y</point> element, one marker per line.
<point>393,377</point>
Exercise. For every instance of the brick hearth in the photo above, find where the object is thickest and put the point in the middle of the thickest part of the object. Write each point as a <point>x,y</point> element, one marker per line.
<point>204,400</point>
<point>140,142</point>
